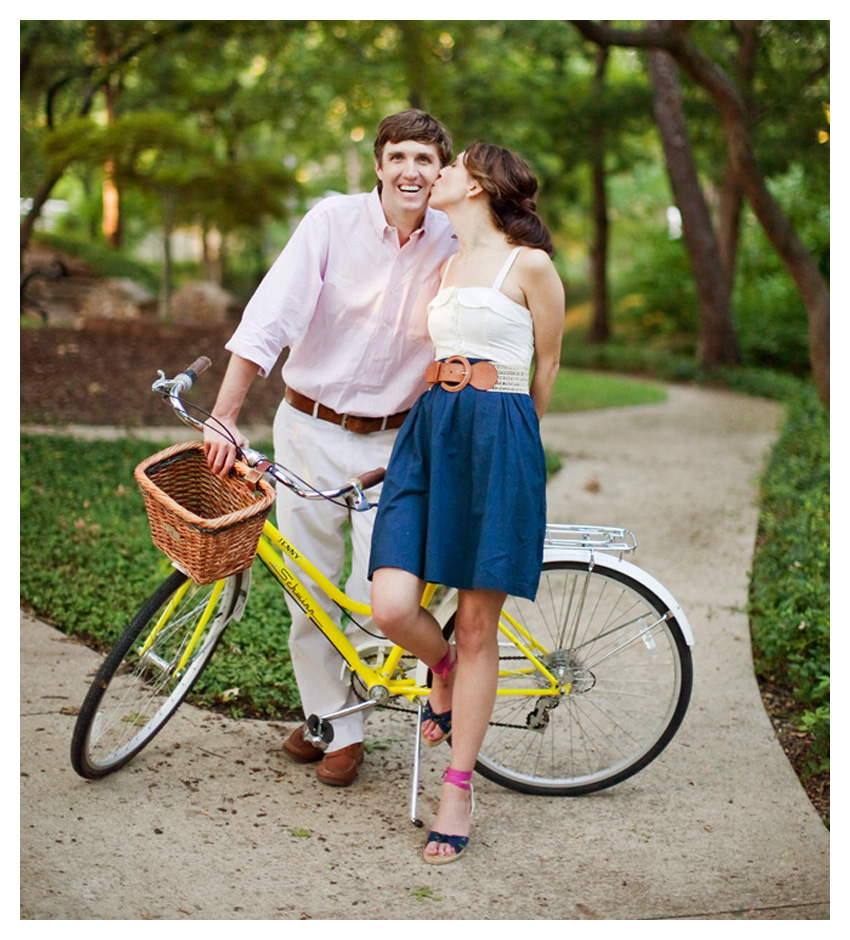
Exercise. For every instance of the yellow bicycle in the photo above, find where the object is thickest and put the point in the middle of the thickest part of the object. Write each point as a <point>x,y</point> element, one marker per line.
<point>595,674</point>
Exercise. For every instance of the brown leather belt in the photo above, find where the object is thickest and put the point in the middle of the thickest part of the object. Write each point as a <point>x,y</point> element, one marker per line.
<point>457,372</point>
<point>353,423</point>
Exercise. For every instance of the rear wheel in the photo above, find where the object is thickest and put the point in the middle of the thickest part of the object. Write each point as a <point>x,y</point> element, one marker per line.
<point>623,675</point>
<point>151,669</point>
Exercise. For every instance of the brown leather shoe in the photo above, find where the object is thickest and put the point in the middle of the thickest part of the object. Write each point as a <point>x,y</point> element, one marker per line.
<point>301,750</point>
<point>339,768</point>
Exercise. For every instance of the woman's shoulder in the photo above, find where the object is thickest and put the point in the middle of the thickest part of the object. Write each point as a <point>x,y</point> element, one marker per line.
<point>538,279</point>
<point>533,261</point>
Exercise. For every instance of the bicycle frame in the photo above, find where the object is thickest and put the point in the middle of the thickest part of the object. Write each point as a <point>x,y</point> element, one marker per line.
<point>274,550</point>
<point>548,675</point>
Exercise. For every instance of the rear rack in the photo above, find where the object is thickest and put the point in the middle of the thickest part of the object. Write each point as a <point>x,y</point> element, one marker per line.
<point>593,537</point>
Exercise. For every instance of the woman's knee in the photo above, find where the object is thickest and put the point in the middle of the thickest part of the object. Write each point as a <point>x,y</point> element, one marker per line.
<point>477,621</point>
<point>395,600</point>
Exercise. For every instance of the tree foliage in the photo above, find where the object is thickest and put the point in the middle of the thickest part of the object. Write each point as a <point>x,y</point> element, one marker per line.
<point>239,125</point>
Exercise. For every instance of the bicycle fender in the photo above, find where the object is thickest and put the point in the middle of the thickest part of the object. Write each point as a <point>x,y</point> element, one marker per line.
<point>614,563</point>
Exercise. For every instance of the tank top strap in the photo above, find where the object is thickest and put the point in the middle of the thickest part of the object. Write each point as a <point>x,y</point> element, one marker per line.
<point>500,277</point>
<point>445,273</point>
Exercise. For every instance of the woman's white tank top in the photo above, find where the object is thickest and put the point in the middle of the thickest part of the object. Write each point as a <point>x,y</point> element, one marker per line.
<point>481,322</point>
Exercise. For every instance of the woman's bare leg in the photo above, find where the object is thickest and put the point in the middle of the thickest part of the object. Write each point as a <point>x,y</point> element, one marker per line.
<point>398,613</point>
<point>473,695</point>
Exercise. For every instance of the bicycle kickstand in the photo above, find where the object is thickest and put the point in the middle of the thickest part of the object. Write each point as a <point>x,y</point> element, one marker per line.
<point>417,754</point>
<point>319,732</point>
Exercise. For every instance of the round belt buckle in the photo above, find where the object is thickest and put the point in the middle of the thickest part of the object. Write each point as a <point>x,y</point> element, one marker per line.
<point>455,385</point>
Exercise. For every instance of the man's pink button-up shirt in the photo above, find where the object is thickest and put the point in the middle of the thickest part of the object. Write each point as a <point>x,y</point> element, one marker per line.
<point>351,305</point>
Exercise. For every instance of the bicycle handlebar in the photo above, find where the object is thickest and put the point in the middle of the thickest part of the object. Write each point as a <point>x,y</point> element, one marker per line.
<point>171,391</point>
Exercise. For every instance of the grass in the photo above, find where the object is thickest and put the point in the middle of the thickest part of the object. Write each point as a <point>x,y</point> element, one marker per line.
<point>87,563</point>
<point>577,390</point>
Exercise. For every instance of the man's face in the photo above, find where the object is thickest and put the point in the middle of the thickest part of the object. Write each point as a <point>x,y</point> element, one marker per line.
<point>407,171</point>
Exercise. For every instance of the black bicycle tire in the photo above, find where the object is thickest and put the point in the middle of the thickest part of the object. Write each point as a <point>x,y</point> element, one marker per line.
<point>80,741</point>
<point>489,768</point>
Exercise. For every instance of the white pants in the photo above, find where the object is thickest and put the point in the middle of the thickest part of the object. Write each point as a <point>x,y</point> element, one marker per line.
<point>326,456</point>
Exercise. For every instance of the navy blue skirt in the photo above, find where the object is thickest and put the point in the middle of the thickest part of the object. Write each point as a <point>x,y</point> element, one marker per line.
<point>464,500</point>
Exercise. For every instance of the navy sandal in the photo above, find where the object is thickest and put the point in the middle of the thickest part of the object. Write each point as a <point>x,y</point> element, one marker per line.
<point>443,721</point>
<point>459,778</point>
<point>458,843</point>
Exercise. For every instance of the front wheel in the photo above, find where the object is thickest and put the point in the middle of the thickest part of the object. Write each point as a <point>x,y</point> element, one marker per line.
<point>151,669</point>
<point>622,674</point>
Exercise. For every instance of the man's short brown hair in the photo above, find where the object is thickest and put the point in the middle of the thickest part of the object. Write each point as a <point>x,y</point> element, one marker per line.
<point>417,125</point>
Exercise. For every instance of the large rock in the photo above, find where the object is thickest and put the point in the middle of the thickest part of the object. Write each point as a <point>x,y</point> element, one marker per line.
<point>117,299</point>
<point>203,302</point>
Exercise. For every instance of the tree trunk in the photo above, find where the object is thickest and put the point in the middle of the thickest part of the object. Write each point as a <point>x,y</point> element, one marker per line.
<point>415,57</point>
<point>731,195</point>
<point>729,224</point>
<point>40,198</point>
<point>111,222</point>
<point>718,344</point>
<point>600,328</point>
<point>213,250</point>
<point>783,236</point>
<point>168,205</point>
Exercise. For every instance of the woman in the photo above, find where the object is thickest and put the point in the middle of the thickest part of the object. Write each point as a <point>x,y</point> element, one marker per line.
<point>463,502</point>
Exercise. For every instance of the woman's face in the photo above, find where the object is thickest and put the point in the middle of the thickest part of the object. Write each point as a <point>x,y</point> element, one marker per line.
<point>452,184</point>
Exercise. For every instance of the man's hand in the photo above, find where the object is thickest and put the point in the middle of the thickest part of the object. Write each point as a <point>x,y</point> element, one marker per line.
<point>220,453</point>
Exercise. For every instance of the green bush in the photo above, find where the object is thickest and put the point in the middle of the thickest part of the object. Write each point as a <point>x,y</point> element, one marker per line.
<point>789,592</point>
<point>104,261</point>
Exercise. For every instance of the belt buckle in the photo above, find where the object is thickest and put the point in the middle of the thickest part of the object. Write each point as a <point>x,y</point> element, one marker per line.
<point>452,385</point>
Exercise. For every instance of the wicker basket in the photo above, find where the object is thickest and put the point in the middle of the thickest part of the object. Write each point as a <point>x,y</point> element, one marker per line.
<point>208,526</point>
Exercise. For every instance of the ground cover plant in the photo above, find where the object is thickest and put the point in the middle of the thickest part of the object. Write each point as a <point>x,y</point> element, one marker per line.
<point>790,585</point>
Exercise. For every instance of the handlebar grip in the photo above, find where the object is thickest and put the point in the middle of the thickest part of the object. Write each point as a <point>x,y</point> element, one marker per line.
<point>198,367</point>
<point>186,379</point>
<point>371,478</point>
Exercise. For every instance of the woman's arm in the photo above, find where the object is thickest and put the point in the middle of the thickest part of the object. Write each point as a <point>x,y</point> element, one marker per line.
<point>544,294</point>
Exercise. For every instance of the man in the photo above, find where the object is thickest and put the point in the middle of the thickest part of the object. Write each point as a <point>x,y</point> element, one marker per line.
<point>348,296</point>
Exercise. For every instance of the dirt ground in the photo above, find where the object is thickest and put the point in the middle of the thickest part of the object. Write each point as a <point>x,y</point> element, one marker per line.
<point>102,375</point>
<point>213,822</point>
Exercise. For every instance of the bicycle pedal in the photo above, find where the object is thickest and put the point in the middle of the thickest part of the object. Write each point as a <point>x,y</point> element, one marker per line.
<point>318,732</point>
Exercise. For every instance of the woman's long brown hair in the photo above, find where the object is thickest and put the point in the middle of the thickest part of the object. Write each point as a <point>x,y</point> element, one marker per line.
<point>512,188</point>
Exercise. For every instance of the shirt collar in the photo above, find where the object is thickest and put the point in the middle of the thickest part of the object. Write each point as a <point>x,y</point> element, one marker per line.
<point>379,220</point>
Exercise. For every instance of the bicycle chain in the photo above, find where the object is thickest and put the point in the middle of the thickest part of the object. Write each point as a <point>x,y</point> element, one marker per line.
<point>493,724</point>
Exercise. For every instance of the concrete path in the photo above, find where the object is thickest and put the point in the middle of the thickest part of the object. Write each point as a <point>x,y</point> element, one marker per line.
<point>213,822</point>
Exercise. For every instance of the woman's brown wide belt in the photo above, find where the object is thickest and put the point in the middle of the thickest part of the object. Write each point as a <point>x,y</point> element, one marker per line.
<point>457,372</point>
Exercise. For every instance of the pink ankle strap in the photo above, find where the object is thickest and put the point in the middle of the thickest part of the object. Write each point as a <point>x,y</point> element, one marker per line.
<point>445,666</point>
<point>460,778</point>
